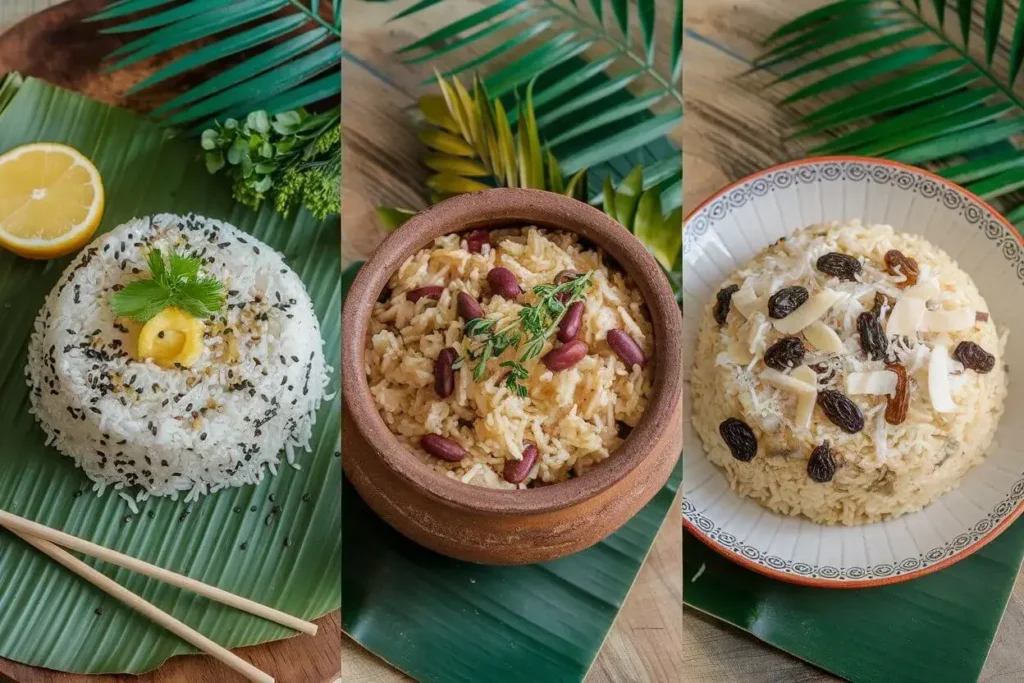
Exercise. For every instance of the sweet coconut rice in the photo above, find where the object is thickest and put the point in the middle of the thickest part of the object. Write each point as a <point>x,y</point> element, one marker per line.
<point>883,470</point>
<point>146,430</point>
<point>576,417</point>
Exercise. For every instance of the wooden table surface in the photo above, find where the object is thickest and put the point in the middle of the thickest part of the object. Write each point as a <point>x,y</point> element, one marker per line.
<point>735,127</point>
<point>303,659</point>
<point>381,167</point>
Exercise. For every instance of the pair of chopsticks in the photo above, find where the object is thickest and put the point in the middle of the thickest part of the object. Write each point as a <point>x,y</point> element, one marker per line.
<point>51,542</point>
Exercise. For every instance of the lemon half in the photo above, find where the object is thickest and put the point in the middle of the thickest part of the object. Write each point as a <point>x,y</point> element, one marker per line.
<point>51,200</point>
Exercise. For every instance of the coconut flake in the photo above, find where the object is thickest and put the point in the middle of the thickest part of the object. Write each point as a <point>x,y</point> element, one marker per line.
<point>746,301</point>
<point>905,317</point>
<point>938,381</point>
<point>876,383</point>
<point>786,382</point>
<point>757,327</point>
<point>928,289</point>
<point>947,321</point>
<point>815,307</point>
<point>736,354</point>
<point>805,400</point>
<point>823,337</point>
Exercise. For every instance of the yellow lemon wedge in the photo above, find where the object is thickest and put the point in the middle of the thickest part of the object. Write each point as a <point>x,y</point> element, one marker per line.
<point>171,337</point>
<point>51,200</point>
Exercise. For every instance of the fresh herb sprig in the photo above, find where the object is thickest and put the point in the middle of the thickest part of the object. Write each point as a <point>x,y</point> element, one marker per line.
<point>530,330</point>
<point>291,159</point>
<point>174,283</point>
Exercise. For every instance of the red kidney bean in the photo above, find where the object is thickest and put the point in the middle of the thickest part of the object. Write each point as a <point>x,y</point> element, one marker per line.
<point>625,348</point>
<point>476,239</point>
<point>429,292</point>
<point>572,321</point>
<point>503,282</point>
<point>468,307</point>
<point>443,448</point>
<point>563,277</point>
<point>565,356</point>
<point>444,374</point>
<point>517,470</point>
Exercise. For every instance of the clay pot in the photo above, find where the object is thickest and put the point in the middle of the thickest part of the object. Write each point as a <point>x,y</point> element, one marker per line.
<point>499,526</point>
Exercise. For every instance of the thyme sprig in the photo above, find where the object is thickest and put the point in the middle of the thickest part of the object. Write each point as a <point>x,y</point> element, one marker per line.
<point>530,330</point>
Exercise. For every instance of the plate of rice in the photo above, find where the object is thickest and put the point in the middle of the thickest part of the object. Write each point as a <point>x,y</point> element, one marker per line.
<point>846,353</point>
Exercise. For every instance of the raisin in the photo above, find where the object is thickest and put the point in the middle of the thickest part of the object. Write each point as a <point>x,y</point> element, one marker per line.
<point>881,300</point>
<point>841,411</point>
<point>822,466</point>
<point>724,303</point>
<point>974,357</point>
<point>786,353</point>
<point>824,371</point>
<point>739,438</point>
<point>787,300</point>
<point>872,337</point>
<point>896,263</point>
<point>896,406</point>
<point>842,266</point>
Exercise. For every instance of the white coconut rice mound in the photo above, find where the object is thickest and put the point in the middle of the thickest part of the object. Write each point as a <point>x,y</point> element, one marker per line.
<point>883,470</point>
<point>145,430</point>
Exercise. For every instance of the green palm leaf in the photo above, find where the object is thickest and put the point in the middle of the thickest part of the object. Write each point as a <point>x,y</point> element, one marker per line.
<point>558,32</point>
<point>473,148</point>
<point>304,41</point>
<point>894,91</point>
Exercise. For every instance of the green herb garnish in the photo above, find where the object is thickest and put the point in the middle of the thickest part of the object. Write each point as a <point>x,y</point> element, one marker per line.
<point>535,324</point>
<point>291,159</point>
<point>176,283</point>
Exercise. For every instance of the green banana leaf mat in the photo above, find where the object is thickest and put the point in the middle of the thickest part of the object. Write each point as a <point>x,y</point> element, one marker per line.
<point>48,616</point>
<point>445,621</point>
<point>934,629</point>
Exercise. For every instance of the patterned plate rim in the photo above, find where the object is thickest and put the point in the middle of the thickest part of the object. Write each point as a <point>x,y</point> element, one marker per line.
<point>829,577</point>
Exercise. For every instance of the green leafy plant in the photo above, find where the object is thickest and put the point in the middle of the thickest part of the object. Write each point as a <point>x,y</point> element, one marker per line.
<point>277,55</point>
<point>174,283</point>
<point>534,326</point>
<point>923,95</point>
<point>549,33</point>
<point>471,142</point>
<point>292,158</point>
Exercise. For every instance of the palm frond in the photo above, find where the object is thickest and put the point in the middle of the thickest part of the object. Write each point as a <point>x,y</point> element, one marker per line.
<point>559,32</point>
<point>277,55</point>
<point>906,87</point>
<point>473,148</point>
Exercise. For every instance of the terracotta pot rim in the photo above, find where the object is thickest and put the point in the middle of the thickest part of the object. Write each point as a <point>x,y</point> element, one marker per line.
<point>507,207</point>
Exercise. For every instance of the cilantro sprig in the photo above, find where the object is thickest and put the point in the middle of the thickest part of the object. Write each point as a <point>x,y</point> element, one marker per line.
<point>533,326</point>
<point>174,283</point>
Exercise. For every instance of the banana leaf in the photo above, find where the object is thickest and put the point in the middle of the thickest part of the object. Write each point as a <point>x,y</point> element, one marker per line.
<point>542,623</point>
<point>48,616</point>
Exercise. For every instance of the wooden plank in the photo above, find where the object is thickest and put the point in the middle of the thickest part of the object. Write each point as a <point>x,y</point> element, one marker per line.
<point>734,127</point>
<point>381,167</point>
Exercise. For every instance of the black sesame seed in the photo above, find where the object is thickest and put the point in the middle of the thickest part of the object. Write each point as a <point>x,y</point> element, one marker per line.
<point>99,611</point>
<point>243,546</point>
<point>151,514</point>
<point>252,509</point>
<point>287,542</point>
<point>307,497</point>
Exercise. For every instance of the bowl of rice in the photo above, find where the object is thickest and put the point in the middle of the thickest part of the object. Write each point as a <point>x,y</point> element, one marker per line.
<point>845,373</point>
<point>511,377</point>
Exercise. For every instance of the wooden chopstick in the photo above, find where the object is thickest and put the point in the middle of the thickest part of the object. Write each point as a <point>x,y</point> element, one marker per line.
<point>162,618</point>
<point>20,525</point>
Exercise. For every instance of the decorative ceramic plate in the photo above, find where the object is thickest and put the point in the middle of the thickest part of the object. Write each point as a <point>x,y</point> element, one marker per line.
<point>730,228</point>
